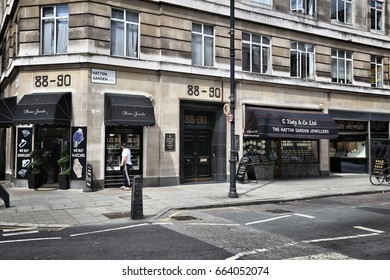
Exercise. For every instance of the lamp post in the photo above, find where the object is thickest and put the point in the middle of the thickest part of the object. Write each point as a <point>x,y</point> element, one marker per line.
<point>233,152</point>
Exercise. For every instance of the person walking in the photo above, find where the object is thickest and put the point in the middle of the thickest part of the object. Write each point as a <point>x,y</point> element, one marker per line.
<point>126,166</point>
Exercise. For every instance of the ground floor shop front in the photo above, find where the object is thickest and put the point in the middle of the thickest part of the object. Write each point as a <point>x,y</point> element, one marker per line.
<point>177,129</point>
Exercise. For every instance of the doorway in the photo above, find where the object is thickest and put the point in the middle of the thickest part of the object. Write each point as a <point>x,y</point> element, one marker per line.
<point>51,141</point>
<point>197,155</point>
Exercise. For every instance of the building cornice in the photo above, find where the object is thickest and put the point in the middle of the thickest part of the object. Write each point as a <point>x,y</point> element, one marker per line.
<point>76,61</point>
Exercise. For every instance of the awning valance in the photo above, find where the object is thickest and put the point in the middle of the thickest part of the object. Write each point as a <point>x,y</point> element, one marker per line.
<point>274,123</point>
<point>128,110</point>
<point>44,108</point>
<point>7,111</point>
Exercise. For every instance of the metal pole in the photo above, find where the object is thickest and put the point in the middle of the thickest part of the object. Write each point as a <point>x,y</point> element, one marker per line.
<point>233,152</point>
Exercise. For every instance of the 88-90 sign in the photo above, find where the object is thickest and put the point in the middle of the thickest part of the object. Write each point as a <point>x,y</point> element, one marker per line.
<point>59,81</point>
<point>213,92</point>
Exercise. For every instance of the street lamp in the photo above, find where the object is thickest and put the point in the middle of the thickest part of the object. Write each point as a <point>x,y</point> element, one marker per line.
<point>233,152</point>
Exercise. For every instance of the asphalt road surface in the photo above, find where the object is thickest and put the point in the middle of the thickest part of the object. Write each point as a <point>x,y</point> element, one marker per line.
<point>348,227</point>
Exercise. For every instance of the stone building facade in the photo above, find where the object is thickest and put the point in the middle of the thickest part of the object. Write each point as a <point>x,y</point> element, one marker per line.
<point>312,82</point>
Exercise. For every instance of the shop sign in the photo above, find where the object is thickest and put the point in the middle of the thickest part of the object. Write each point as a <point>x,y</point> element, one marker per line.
<point>350,126</point>
<point>79,152</point>
<point>100,76</point>
<point>273,123</point>
<point>170,142</point>
<point>23,151</point>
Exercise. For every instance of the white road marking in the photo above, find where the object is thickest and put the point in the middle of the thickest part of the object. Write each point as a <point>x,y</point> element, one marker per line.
<point>29,240</point>
<point>386,203</point>
<point>340,238</point>
<point>374,232</point>
<point>242,254</point>
<point>267,220</point>
<point>369,229</point>
<point>108,230</point>
<point>305,216</point>
<point>20,233</point>
<point>214,224</point>
<point>18,229</point>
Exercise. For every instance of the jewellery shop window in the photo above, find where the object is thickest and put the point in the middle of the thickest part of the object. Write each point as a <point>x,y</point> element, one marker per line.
<point>114,151</point>
<point>299,151</point>
<point>347,149</point>
<point>259,151</point>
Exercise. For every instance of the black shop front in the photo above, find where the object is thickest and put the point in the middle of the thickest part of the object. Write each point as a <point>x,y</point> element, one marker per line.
<point>43,121</point>
<point>285,143</point>
<point>125,117</point>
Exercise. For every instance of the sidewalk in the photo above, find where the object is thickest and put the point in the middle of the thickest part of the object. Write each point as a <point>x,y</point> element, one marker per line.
<point>61,208</point>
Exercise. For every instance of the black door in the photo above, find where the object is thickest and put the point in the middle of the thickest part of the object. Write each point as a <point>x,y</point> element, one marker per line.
<point>197,159</point>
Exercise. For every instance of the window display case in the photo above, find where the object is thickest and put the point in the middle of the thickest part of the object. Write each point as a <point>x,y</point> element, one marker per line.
<point>114,151</point>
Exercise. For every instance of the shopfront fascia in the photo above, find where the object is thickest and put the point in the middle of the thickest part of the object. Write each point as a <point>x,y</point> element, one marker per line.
<point>125,117</point>
<point>285,143</point>
<point>350,153</point>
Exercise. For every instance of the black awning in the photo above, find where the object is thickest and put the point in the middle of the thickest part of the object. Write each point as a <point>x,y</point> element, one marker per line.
<point>44,108</point>
<point>7,111</point>
<point>128,110</point>
<point>273,123</point>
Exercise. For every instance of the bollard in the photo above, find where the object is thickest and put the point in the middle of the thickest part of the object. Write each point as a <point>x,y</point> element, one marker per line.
<point>136,199</point>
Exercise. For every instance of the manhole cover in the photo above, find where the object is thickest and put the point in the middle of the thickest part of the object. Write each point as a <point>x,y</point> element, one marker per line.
<point>183,218</point>
<point>278,211</point>
<point>117,215</point>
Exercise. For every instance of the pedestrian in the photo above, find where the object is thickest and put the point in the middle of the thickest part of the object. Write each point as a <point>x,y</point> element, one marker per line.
<point>126,166</point>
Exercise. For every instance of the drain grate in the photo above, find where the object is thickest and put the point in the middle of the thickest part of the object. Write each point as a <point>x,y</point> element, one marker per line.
<point>183,218</point>
<point>117,215</point>
<point>278,211</point>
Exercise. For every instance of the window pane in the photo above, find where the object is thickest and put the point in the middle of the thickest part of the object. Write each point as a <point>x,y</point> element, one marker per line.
<point>197,27</point>
<point>256,39</point>
<point>349,72</point>
<point>132,40</point>
<point>341,11</point>
<point>255,58</point>
<point>266,40</point>
<point>196,49</point>
<point>48,36</point>
<point>208,30</point>
<point>334,70</point>
<point>62,36</point>
<point>304,66</point>
<point>246,36</point>
<point>208,51</point>
<point>266,53</point>
<point>132,17</point>
<point>117,38</point>
<point>62,10</point>
<point>294,64</point>
<point>294,45</point>
<point>48,12</point>
<point>117,14</point>
<point>334,9</point>
<point>348,13</point>
<point>246,57</point>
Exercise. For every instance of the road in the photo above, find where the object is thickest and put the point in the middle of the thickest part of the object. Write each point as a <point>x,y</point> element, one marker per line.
<point>348,227</point>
